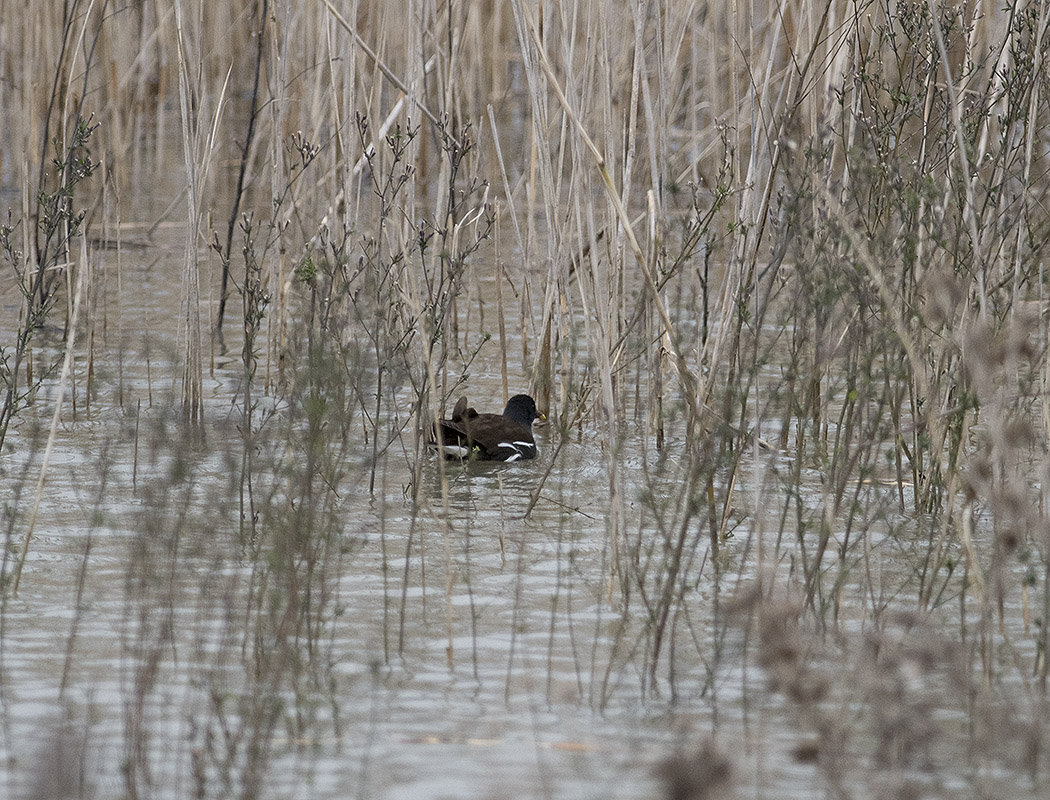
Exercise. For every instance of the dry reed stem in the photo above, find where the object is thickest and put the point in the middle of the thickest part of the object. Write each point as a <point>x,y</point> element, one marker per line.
<point>193,369</point>
<point>955,101</point>
<point>686,375</point>
<point>63,381</point>
<point>387,72</point>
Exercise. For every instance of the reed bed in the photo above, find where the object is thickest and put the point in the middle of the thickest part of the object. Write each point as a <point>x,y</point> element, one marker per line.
<point>775,273</point>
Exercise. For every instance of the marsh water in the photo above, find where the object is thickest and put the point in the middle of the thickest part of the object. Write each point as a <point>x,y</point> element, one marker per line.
<point>464,645</point>
<point>461,660</point>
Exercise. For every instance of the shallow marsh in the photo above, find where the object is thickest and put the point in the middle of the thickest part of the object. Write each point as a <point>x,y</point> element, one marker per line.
<point>776,276</point>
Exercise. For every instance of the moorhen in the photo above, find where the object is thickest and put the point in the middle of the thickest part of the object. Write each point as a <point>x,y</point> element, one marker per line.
<point>489,437</point>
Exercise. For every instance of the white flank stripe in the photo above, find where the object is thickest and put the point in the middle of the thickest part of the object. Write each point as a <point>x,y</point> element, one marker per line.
<point>512,446</point>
